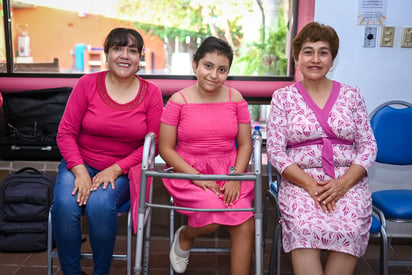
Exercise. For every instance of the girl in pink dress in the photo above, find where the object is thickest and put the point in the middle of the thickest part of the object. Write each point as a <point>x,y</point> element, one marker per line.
<point>321,142</point>
<point>198,130</point>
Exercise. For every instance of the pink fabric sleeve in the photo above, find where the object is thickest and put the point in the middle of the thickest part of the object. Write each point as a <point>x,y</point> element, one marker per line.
<point>171,113</point>
<point>277,132</point>
<point>243,114</point>
<point>365,142</point>
<point>154,106</point>
<point>70,123</point>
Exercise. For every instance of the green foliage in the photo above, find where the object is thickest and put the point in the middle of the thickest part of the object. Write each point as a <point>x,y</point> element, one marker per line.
<point>182,18</point>
<point>186,22</point>
<point>254,110</point>
<point>197,19</point>
<point>171,32</point>
<point>267,57</point>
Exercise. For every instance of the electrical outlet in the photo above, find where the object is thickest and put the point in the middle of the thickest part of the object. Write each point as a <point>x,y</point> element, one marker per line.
<point>369,40</point>
<point>387,36</point>
<point>406,37</point>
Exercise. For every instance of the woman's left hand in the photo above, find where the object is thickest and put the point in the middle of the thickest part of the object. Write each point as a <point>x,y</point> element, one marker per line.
<point>331,192</point>
<point>106,176</point>
<point>334,189</point>
<point>231,192</point>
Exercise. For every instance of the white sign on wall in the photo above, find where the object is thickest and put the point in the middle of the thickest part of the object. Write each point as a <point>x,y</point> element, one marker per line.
<point>372,12</point>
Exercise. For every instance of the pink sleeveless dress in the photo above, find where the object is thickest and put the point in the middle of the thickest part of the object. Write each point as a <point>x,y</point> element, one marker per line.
<point>206,134</point>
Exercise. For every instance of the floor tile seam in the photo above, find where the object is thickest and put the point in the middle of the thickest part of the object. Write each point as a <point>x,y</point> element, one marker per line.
<point>366,262</point>
<point>33,265</point>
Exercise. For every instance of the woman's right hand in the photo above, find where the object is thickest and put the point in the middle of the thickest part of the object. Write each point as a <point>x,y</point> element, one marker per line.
<point>208,184</point>
<point>298,176</point>
<point>82,184</point>
<point>314,191</point>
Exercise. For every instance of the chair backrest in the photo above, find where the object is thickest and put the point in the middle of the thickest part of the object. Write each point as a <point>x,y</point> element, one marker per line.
<point>392,126</point>
<point>274,178</point>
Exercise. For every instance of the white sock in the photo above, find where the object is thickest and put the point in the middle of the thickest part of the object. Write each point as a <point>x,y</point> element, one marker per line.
<point>180,252</point>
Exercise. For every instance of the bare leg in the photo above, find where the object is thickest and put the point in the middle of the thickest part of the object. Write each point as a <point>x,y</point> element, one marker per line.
<point>242,242</point>
<point>340,263</point>
<point>189,234</point>
<point>306,261</point>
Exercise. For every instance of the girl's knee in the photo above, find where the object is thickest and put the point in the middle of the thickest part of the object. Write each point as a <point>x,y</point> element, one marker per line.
<point>244,230</point>
<point>214,227</point>
<point>248,226</point>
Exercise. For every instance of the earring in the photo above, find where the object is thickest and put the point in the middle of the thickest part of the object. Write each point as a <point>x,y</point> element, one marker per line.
<point>331,69</point>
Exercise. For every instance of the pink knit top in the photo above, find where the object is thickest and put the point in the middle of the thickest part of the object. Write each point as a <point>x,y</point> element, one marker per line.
<point>98,131</point>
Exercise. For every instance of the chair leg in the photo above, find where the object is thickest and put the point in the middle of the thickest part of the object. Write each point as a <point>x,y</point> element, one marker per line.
<point>265,219</point>
<point>49,246</point>
<point>129,243</point>
<point>384,253</point>
<point>276,250</point>
<point>278,246</point>
<point>276,239</point>
<point>171,231</point>
<point>272,254</point>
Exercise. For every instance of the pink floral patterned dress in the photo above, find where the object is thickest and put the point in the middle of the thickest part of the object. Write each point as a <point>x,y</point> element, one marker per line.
<point>296,119</point>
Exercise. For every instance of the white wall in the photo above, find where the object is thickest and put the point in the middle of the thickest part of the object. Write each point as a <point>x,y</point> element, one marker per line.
<point>381,73</point>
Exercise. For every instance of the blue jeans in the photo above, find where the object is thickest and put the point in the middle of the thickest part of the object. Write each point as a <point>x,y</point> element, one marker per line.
<point>101,213</point>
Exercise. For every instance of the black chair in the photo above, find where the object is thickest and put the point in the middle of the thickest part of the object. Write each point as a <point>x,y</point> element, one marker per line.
<point>272,194</point>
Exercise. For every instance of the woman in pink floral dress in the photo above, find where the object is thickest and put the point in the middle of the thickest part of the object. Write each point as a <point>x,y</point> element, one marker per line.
<point>321,142</point>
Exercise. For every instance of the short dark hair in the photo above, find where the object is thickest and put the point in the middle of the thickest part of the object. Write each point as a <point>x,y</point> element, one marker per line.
<point>120,37</point>
<point>314,32</point>
<point>213,44</point>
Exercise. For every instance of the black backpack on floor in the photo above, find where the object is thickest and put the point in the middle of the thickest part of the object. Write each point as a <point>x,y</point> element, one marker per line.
<point>25,200</point>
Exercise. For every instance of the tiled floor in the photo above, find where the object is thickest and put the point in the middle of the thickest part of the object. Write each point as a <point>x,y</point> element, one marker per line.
<point>200,263</point>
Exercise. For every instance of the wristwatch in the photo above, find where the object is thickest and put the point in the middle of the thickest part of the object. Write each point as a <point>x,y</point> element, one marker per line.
<point>232,170</point>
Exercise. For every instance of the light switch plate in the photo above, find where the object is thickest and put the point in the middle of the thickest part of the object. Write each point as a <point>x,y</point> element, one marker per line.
<point>369,40</point>
<point>406,37</point>
<point>387,36</point>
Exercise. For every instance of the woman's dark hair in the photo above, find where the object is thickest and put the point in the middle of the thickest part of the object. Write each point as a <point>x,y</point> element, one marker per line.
<point>120,37</point>
<point>213,44</point>
<point>314,32</point>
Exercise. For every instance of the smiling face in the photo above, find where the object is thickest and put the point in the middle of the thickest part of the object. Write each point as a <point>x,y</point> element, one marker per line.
<point>314,60</point>
<point>123,48</point>
<point>123,61</point>
<point>211,71</point>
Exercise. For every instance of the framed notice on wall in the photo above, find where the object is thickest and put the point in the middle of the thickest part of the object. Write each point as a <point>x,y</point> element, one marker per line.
<point>372,12</point>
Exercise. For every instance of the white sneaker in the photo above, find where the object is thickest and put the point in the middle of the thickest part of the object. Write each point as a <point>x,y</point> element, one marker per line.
<point>179,264</point>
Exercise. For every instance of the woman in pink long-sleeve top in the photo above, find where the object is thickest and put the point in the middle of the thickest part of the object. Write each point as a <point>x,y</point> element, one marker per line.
<point>321,142</point>
<point>101,137</point>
